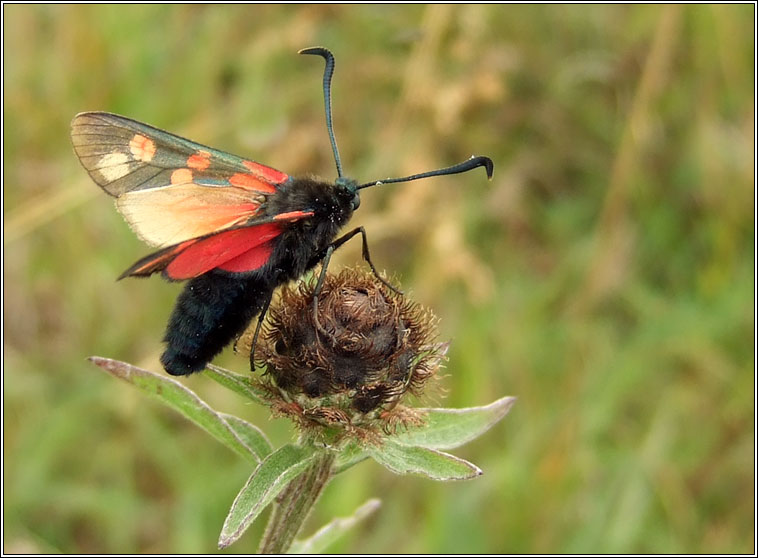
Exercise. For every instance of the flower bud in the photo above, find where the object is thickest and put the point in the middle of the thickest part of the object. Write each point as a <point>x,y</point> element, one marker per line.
<point>351,362</point>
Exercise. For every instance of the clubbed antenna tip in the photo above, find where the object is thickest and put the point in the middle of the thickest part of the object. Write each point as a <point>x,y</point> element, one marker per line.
<point>328,72</point>
<point>467,165</point>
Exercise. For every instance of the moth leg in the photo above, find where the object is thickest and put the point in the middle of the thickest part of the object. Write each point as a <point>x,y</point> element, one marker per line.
<point>325,265</point>
<point>319,285</point>
<point>366,256</point>
<point>261,316</point>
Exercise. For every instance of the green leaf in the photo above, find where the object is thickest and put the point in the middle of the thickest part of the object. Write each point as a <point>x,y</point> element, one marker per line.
<point>250,434</point>
<point>430,463</point>
<point>352,454</point>
<point>318,542</point>
<point>450,428</point>
<point>442,429</point>
<point>266,482</point>
<point>184,401</point>
<point>243,385</point>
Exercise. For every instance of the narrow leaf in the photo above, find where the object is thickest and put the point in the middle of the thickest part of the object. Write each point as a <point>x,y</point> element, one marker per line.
<point>184,401</point>
<point>430,463</point>
<point>318,542</point>
<point>450,428</point>
<point>250,434</point>
<point>266,482</point>
<point>236,382</point>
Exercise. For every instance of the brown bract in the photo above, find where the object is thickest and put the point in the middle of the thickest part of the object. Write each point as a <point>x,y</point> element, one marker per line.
<point>351,363</point>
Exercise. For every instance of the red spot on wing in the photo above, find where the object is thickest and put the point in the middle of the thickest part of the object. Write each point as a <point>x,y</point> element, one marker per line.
<point>142,148</point>
<point>250,182</point>
<point>199,161</point>
<point>267,173</point>
<point>181,176</point>
<point>293,215</point>
<point>221,250</point>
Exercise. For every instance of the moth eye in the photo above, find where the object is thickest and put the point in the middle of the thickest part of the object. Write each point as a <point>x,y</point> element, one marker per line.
<point>356,201</point>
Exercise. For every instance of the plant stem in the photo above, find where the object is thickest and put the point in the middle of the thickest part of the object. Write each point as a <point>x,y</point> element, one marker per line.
<point>294,504</point>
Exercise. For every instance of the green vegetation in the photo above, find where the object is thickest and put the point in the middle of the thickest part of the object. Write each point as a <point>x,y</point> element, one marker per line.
<point>605,276</point>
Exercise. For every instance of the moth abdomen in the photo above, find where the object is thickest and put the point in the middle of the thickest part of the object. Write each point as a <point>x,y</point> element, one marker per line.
<point>212,310</point>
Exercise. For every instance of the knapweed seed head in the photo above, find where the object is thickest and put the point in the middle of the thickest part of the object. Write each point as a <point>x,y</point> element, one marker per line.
<point>348,365</point>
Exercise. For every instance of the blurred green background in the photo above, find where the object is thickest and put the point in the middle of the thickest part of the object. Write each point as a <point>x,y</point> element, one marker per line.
<point>605,276</point>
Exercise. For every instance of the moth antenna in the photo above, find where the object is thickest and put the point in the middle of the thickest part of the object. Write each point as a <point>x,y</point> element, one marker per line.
<point>328,72</point>
<point>465,166</point>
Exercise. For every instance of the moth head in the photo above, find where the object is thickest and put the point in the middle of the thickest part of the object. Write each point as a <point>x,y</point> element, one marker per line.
<point>348,188</point>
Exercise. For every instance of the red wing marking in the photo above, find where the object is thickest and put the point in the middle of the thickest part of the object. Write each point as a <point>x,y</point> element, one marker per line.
<point>266,173</point>
<point>142,148</point>
<point>220,250</point>
<point>155,262</point>
<point>199,161</point>
<point>250,182</point>
<point>293,215</point>
<point>250,260</point>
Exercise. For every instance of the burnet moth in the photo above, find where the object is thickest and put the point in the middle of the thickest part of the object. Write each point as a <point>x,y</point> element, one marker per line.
<point>233,228</point>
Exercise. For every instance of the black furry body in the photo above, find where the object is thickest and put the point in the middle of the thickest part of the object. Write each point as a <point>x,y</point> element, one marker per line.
<point>216,307</point>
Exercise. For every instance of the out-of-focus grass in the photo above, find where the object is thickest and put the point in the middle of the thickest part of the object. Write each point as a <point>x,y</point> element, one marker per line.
<point>605,276</point>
